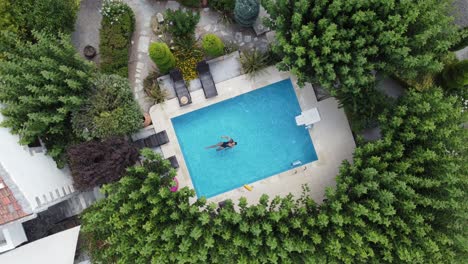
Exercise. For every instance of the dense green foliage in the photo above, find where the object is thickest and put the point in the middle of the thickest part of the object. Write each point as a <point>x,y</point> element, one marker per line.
<point>224,6</point>
<point>41,85</point>
<point>162,57</point>
<point>95,163</point>
<point>340,44</point>
<point>26,16</point>
<point>401,201</point>
<point>117,27</point>
<point>182,23</point>
<point>455,78</point>
<point>213,45</point>
<point>246,12</point>
<point>110,110</point>
<point>226,9</point>
<point>190,3</point>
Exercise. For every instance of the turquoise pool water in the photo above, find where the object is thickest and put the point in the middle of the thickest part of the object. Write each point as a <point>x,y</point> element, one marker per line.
<point>262,122</point>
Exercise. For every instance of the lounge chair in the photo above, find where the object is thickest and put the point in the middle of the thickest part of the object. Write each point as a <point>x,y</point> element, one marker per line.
<point>180,88</point>
<point>206,79</point>
<point>174,162</point>
<point>153,141</point>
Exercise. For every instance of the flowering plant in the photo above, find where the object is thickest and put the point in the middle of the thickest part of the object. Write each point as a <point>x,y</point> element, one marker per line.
<point>113,9</point>
<point>186,61</point>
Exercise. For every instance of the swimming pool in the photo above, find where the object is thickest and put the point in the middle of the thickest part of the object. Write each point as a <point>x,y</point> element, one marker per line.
<point>263,124</point>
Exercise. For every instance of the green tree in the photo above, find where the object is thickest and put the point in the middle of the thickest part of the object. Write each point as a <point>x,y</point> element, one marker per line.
<point>110,111</point>
<point>161,55</point>
<point>26,16</point>
<point>340,44</point>
<point>213,45</point>
<point>246,12</point>
<point>42,84</point>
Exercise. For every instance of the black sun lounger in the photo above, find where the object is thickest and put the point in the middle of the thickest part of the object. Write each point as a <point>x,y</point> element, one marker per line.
<point>206,79</point>
<point>173,161</point>
<point>153,141</point>
<point>180,88</point>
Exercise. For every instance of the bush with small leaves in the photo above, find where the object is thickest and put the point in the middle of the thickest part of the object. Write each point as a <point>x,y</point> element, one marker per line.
<point>182,23</point>
<point>162,57</point>
<point>213,45</point>
<point>110,111</point>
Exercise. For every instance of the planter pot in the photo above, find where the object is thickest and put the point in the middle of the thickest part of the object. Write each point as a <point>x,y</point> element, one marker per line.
<point>89,52</point>
<point>147,120</point>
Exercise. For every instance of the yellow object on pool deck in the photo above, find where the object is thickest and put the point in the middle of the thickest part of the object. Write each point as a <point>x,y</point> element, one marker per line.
<point>248,187</point>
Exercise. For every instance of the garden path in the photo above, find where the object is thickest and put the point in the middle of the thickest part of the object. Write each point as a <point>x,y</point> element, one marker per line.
<point>87,26</point>
<point>210,22</point>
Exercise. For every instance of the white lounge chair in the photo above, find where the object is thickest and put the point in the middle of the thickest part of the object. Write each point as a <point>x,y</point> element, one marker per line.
<point>308,118</point>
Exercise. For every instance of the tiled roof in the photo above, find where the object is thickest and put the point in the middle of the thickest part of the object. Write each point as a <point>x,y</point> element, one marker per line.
<point>10,209</point>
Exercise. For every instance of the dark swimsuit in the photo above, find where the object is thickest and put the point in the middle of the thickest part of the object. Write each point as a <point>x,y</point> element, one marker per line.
<point>225,145</point>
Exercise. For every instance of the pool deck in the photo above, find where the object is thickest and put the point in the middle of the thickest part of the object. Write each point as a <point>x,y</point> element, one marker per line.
<point>332,138</point>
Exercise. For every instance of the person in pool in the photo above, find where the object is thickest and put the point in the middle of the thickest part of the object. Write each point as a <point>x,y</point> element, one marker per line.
<point>224,145</point>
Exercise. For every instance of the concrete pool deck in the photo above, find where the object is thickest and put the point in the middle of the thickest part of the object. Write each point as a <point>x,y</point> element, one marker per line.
<point>332,139</point>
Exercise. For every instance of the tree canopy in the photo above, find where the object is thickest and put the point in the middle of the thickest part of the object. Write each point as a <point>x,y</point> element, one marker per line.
<point>42,83</point>
<point>340,43</point>
<point>402,200</point>
<point>94,163</point>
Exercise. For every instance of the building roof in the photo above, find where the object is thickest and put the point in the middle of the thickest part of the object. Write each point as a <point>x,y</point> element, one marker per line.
<point>32,176</point>
<point>10,209</point>
<point>55,249</point>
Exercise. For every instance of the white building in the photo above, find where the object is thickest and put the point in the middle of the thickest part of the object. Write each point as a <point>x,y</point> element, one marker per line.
<point>30,182</point>
<point>55,249</point>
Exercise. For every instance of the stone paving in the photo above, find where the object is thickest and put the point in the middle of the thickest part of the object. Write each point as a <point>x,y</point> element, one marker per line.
<point>87,26</point>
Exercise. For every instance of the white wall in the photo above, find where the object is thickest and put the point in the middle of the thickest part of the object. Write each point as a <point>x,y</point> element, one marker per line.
<point>35,174</point>
<point>14,236</point>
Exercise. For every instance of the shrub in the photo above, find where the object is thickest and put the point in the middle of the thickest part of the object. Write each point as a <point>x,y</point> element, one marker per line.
<point>190,3</point>
<point>253,62</point>
<point>162,57</point>
<point>118,23</point>
<point>111,110</point>
<point>182,23</point>
<point>152,89</point>
<point>213,45</point>
<point>246,12</point>
<point>455,78</point>
<point>186,61</point>
<point>224,6</point>
<point>95,163</point>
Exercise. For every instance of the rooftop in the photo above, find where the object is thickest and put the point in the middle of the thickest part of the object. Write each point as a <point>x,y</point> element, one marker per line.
<point>10,209</point>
